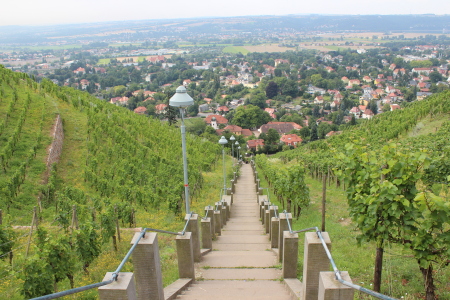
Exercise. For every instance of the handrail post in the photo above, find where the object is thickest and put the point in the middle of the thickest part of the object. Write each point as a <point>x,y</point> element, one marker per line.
<point>315,260</point>
<point>284,219</point>
<point>193,228</point>
<point>209,211</point>
<point>206,234</point>
<point>218,222</point>
<point>274,232</point>
<point>147,267</point>
<point>290,255</point>
<point>331,288</point>
<point>185,256</point>
<point>121,289</point>
<point>272,210</point>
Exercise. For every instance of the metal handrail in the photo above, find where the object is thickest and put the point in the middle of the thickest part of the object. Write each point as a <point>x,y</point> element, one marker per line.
<point>337,273</point>
<point>115,274</point>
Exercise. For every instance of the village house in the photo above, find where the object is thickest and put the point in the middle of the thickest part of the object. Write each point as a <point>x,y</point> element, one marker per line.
<point>140,110</point>
<point>160,108</point>
<point>215,120</point>
<point>291,140</point>
<point>255,144</point>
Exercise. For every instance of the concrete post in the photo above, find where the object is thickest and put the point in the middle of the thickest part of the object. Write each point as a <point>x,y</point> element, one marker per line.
<point>217,222</point>
<point>193,228</point>
<point>227,210</point>
<point>209,211</point>
<point>267,221</point>
<point>223,213</point>
<point>256,175</point>
<point>331,289</point>
<point>147,267</point>
<point>122,289</point>
<point>284,217</point>
<point>260,191</point>
<point>206,233</point>
<point>315,260</point>
<point>185,256</point>
<point>257,185</point>
<point>232,198</point>
<point>274,232</point>
<point>290,255</point>
<point>272,210</point>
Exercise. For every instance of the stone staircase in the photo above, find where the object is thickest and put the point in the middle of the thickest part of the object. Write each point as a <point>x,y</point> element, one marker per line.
<point>242,264</point>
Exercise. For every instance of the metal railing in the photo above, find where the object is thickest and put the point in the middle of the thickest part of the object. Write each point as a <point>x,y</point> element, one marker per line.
<point>115,274</point>
<point>337,273</point>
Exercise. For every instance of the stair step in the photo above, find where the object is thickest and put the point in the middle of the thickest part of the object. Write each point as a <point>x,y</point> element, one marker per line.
<point>238,259</point>
<point>236,289</point>
<point>241,274</point>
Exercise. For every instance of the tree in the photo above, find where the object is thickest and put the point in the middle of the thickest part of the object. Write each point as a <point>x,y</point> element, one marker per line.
<point>250,116</point>
<point>271,89</point>
<point>273,137</point>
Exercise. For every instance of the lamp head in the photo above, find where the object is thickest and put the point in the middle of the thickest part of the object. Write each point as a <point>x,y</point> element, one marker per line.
<point>237,143</point>
<point>223,140</point>
<point>232,138</point>
<point>181,98</point>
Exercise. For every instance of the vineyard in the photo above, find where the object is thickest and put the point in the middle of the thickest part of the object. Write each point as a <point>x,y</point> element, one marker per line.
<point>116,169</point>
<point>396,183</point>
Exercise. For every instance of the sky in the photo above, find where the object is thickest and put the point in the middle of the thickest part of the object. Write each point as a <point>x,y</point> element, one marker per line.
<point>50,12</point>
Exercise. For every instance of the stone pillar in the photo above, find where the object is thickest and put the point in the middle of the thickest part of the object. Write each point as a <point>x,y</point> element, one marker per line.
<point>256,175</point>
<point>272,210</point>
<point>267,221</point>
<point>209,212</point>
<point>147,267</point>
<point>274,232</point>
<point>217,222</point>
<point>228,211</point>
<point>284,217</point>
<point>206,233</point>
<point>185,256</point>
<point>315,260</point>
<point>121,289</point>
<point>193,228</point>
<point>223,213</point>
<point>233,188</point>
<point>257,185</point>
<point>331,289</point>
<point>290,255</point>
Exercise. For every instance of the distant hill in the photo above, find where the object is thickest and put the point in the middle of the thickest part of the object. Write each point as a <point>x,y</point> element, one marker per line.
<point>255,24</point>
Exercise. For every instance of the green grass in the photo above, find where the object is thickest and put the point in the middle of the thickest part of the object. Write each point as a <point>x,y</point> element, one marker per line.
<point>235,49</point>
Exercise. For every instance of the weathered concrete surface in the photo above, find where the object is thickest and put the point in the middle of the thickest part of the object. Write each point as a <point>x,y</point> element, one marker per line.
<point>241,265</point>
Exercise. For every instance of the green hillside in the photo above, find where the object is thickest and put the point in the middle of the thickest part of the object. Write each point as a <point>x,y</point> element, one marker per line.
<point>114,164</point>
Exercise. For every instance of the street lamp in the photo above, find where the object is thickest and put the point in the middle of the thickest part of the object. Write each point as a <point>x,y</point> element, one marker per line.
<point>181,99</point>
<point>232,147</point>
<point>239,152</point>
<point>223,141</point>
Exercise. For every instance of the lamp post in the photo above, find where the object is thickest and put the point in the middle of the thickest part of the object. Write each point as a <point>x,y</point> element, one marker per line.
<point>181,99</point>
<point>237,144</point>
<point>232,147</point>
<point>223,141</point>
<point>239,152</point>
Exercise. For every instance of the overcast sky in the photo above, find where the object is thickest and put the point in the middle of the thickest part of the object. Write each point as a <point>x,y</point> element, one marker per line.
<point>45,12</point>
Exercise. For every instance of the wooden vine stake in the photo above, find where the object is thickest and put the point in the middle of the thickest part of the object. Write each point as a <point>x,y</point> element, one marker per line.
<point>324,200</point>
<point>74,218</point>
<point>117,222</point>
<point>34,222</point>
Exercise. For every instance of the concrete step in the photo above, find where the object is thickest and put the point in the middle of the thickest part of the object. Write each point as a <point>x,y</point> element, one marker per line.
<point>242,232</point>
<point>236,289</point>
<point>239,259</point>
<point>241,247</point>
<point>243,239</point>
<point>241,274</point>
<point>237,226</point>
